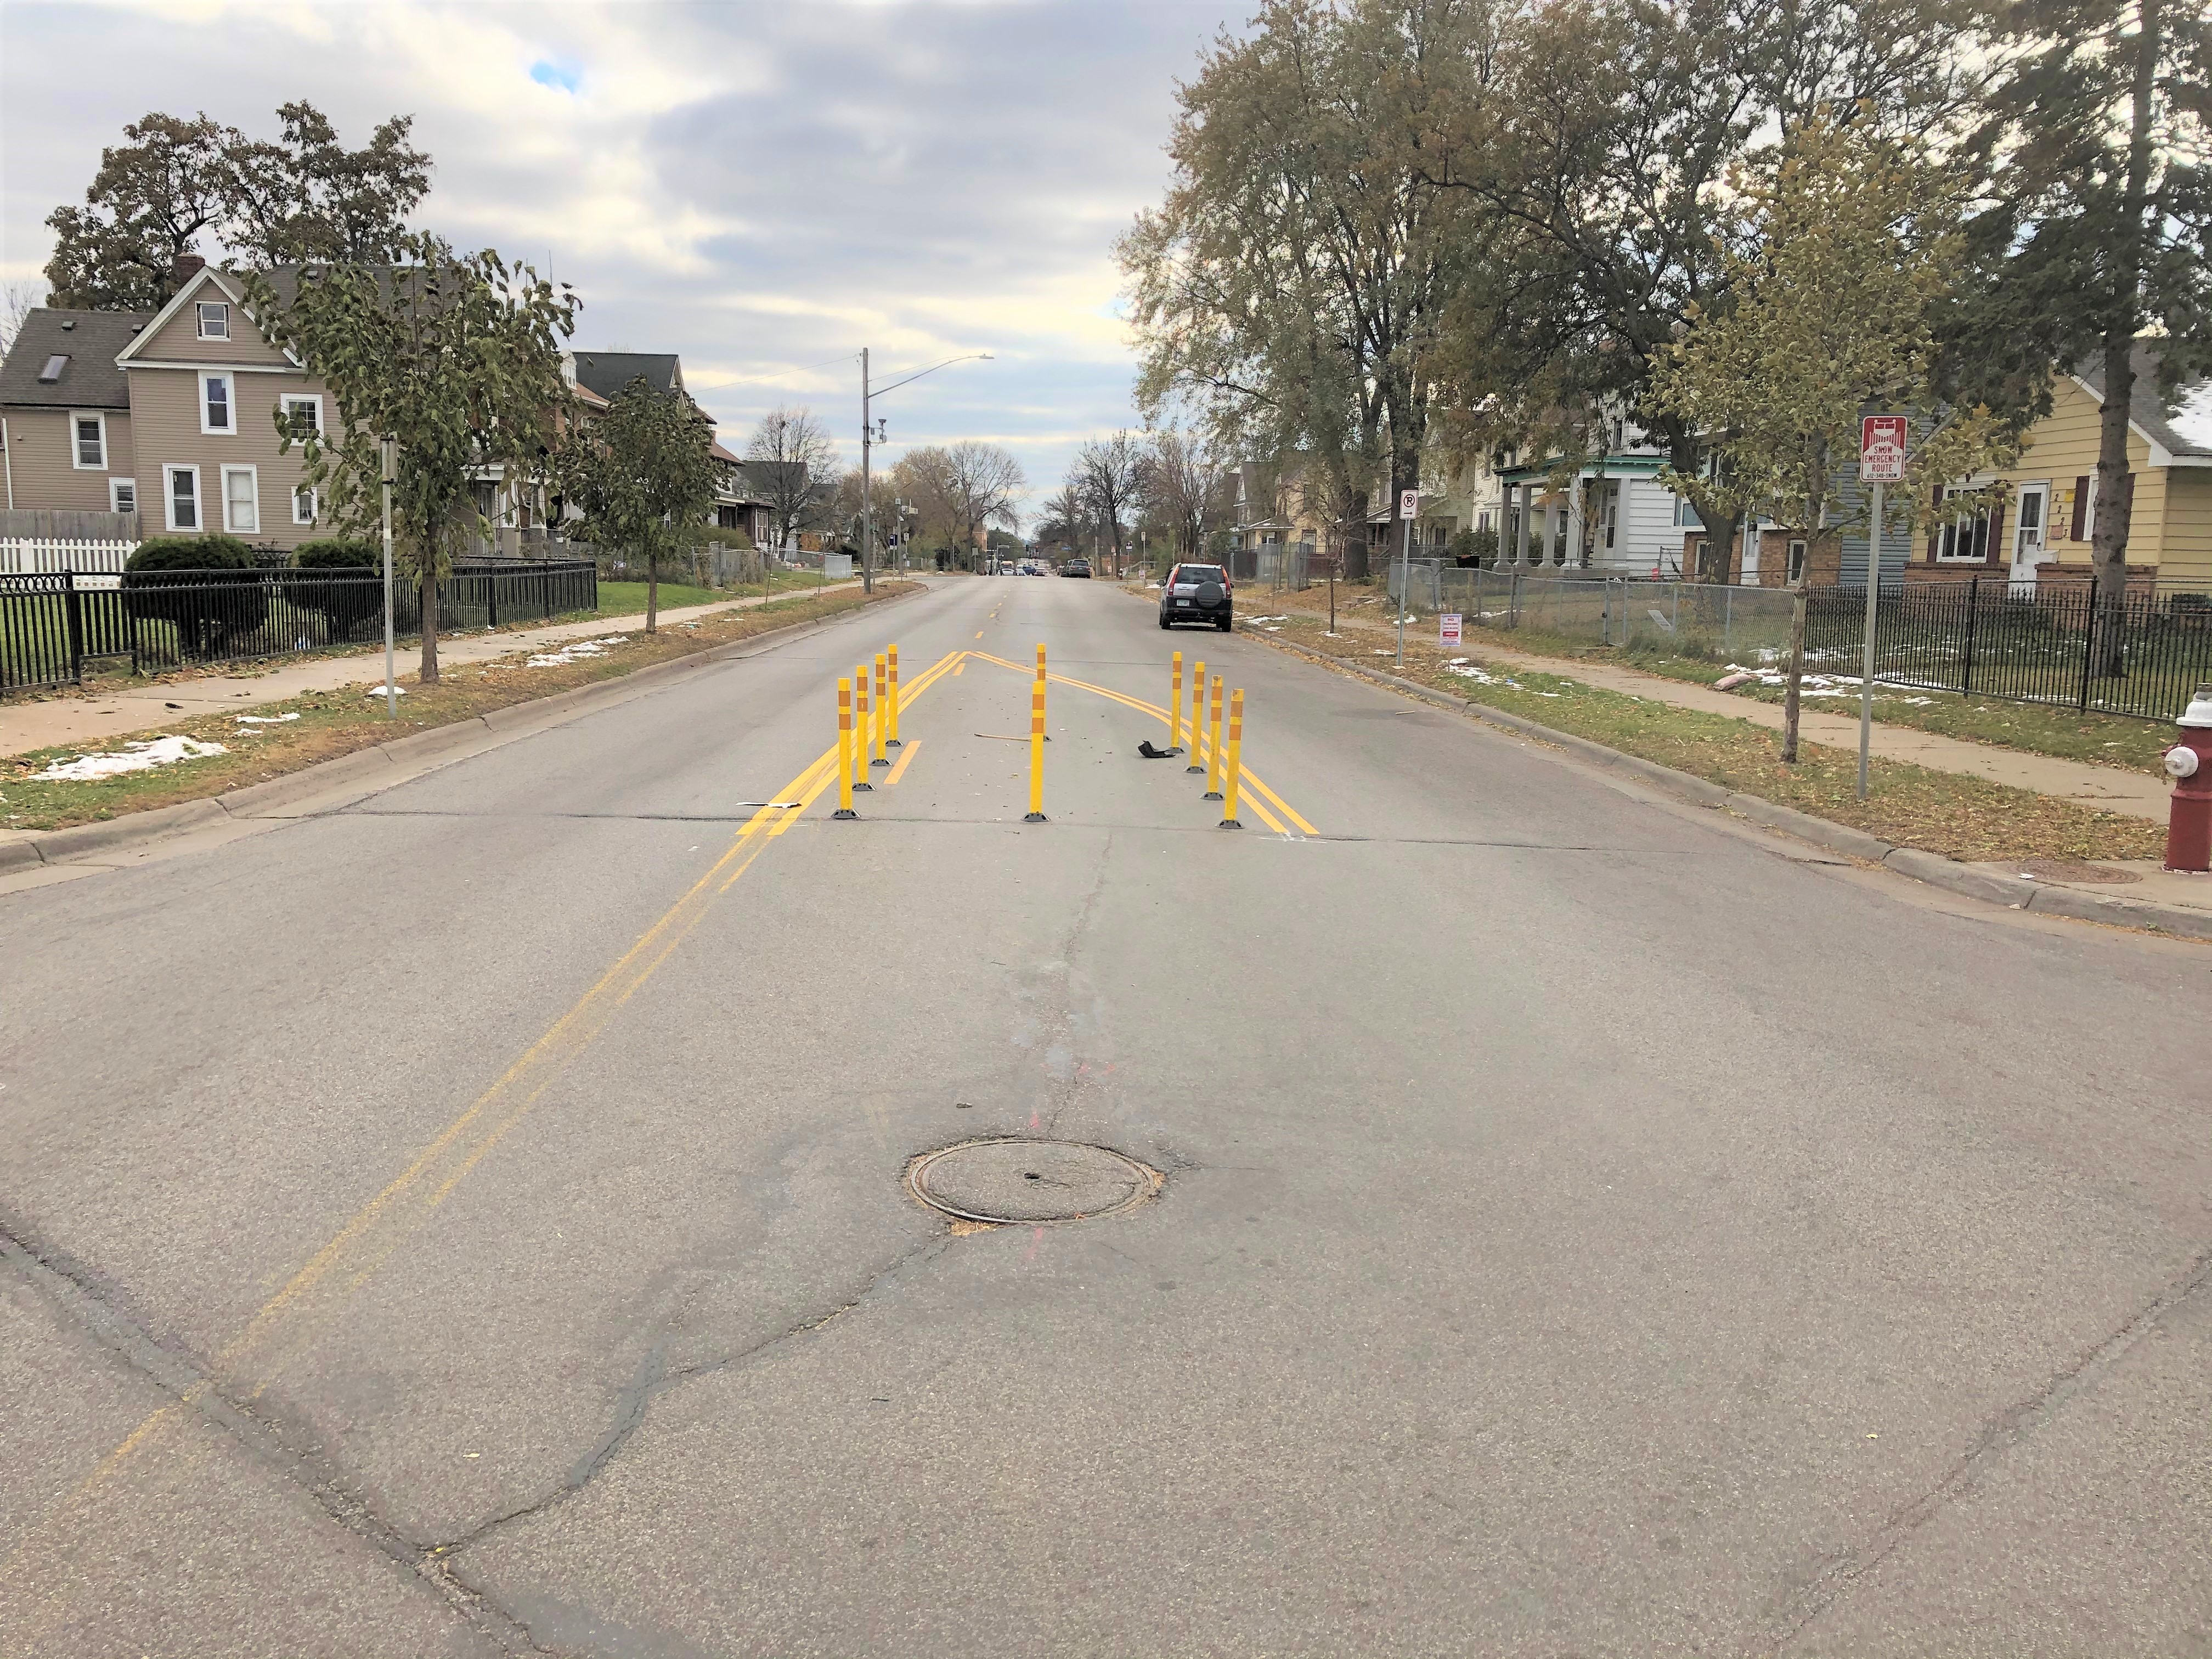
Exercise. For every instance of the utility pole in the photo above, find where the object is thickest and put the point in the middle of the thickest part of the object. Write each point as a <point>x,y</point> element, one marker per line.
<point>867,519</point>
<point>388,461</point>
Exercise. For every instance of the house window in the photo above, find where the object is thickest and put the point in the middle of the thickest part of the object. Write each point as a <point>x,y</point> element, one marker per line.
<point>1964,541</point>
<point>89,441</point>
<point>303,415</point>
<point>1482,520</point>
<point>215,402</point>
<point>214,321</point>
<point>1612,516</point>
<point>1686,516</point>
<point>1797,562</point>
<point>303,504</point>
<point>184,498</point>
<point>241,500</point>
<point>122,494</point>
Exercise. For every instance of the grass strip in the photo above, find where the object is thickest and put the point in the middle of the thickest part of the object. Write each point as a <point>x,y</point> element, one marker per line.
<point>260,743</point>
<point>1959,817</point>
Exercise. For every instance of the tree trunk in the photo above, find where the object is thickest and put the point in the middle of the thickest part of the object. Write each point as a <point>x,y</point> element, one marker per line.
<point>652,590</point>
<point>429,676</point>
<point>1792,697</point>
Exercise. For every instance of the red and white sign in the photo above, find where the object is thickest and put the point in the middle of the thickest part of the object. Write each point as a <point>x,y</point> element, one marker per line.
<point>1409,504</point>
<point>1882,449</point>
<point>1448,630</point>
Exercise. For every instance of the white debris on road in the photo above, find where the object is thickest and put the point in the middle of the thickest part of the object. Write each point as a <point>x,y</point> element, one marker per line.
<point>581,650</point>
<point>132,757</point>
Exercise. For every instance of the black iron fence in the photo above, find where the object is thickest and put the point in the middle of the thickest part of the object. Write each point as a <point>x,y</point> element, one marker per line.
<point>2141,656</point>
<point>52,625</point>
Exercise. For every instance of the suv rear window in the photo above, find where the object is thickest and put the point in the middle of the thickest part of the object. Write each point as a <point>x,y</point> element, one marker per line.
<point>1197,573</point>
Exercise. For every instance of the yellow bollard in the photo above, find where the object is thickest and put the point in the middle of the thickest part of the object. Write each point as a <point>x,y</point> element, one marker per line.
<point>882,714</point>
<point>1039,677</point>
<point>1197,719</point>
<point>844,752</point>
<point>860,726</point>
<point>1036,751</point>
<point>1174,709</point>
<point>1214,743</point>
<point>894,739</point>
<point>1235,756</point>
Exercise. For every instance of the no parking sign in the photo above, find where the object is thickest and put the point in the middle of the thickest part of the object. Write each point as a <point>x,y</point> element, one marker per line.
<point>1447,629</point>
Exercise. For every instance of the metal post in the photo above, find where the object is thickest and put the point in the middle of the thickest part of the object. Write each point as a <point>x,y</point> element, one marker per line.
<point>844,752</point>
<point>1236,755</point>
<point>388,457</point>
<point>1197,719</point>
<point>893,740</point>
<point>858,770</point>
<point>1873,601</point>
<point>1175,708</point>
<point>1036,814</point>
<point>1973,611</point>
<point>1213,741</point>
<point>1404,576</point>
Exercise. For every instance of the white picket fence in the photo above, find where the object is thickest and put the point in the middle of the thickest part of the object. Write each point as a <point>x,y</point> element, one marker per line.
<point>40,555</point>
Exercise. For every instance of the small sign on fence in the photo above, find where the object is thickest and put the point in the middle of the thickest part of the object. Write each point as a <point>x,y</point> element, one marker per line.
<point>1447,629</point>
<point>1882,449</point>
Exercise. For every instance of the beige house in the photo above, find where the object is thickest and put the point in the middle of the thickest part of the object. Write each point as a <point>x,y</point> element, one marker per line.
<point>65,413</point>
<point>173,416</point>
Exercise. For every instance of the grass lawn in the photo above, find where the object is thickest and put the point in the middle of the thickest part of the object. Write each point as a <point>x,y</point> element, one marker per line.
<point>327,724</point>
<point>627,599</point>
<point>2037,728</point>
<point>1960,818</point>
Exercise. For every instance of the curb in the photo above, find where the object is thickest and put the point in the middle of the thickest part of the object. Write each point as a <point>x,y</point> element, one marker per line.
<point>1930,867</point>
<point>31,848</point>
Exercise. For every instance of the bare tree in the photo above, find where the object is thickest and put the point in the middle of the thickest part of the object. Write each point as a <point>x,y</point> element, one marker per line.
<point>975,485</point>
<point>18,300</point>
<point>1184,482</point>
<point>1109,472</point>
<point>791,460</point>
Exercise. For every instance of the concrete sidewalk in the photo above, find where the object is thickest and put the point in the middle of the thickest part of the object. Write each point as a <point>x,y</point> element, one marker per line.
<point>143,705</point>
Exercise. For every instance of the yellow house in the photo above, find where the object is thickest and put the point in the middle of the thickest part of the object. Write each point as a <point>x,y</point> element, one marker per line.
<point>2045,507</point>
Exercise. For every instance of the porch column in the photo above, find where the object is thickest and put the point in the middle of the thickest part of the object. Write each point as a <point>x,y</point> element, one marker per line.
<point>1571,555</point>
<point>1526,494</point>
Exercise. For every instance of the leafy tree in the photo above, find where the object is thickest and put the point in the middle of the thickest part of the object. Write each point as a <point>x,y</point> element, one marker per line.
<point>1291,281</point>
<point>794,465</point>
<point>1853,247</point>
<point>457,356</point>
<point>643,471</point>
<point>2100,214</point>
<point>303,196</point>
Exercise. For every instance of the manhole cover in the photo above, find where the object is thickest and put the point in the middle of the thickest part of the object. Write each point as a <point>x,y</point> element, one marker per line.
<point>1030,1181</point>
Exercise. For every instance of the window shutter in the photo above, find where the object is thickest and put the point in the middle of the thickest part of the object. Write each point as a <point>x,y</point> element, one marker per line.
<point>1935,526</point>
<point>1997,553</point>
<point>2081,507</point>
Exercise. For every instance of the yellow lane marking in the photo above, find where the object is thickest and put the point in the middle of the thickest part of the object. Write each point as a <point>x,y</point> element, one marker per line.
<point>1198,744</point>
<point>903,762</point>
<point>961,667</point>
<point>516,1092</point>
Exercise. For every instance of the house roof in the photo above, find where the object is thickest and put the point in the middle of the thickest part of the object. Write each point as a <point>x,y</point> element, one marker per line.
<point>607,371</point>
<point>2182,428</point>
<point>88,340</point>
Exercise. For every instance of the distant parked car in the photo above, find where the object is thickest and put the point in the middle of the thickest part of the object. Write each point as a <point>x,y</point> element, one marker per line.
<point>1076,567</point>
<point>1195,593</point>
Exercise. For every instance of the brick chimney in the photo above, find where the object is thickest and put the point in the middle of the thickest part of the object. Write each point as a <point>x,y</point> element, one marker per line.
<point>188,265</point>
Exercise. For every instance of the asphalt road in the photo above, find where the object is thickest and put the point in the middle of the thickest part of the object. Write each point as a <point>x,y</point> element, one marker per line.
<point>475,1217</point>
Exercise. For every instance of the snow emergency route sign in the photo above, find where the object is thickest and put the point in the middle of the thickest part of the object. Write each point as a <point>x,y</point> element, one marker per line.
<point>1882,449</point>
<point>1448,630</point>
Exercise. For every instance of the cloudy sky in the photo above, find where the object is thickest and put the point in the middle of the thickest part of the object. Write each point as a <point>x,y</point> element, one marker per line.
<point>764,188</point>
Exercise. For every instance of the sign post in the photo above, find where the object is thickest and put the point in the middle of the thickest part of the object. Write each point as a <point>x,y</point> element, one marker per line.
<point>388,465</point>
<point>1409,507</point>
<point>1882,446</point>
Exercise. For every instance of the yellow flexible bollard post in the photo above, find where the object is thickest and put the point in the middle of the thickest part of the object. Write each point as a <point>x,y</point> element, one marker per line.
<point>844,752</point>
<point>1039,678</point>
<point>1214,743</point>
<point>882,714</point>
<point>894,739</point>
<point>860,722</point>
<point>1197,719</point>
<point>1174,709</point>
<point>1236,755</point>
<point>1037,752</point>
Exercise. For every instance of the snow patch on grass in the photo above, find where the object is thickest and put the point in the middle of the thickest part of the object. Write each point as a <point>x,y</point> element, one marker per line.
<point>132,757</point>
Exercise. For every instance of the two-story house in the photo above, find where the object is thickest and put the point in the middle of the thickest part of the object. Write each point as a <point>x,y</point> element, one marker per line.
<point>66,438</point>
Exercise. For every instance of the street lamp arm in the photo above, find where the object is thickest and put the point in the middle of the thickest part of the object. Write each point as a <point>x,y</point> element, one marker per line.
<point>932,369</point>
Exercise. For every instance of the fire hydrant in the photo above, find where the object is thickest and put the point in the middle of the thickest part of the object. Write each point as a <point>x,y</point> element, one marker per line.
<point>2188,763</point>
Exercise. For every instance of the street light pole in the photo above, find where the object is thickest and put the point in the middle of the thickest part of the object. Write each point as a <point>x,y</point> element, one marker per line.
<point>867,518</point>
